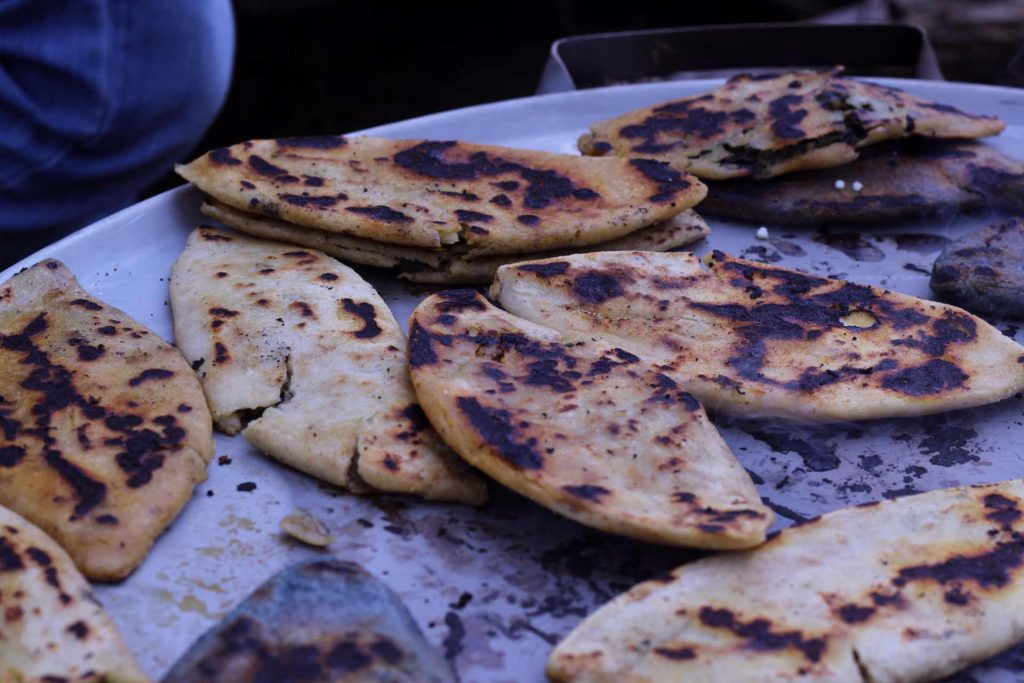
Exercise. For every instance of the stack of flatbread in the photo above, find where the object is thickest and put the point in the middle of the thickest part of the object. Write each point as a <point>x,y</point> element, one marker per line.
<point>444,212</point>
<point>754,128</point>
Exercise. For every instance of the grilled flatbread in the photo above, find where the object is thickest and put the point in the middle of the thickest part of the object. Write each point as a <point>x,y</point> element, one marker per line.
<point>906,590</point>
<point>429,194</point>
<point>586,429</point>
<point>899,180</point>
<point>53,629</point>
<point>306,350</point>
<point>444,267</point>
<point>759,340</point>
<point>103,428</point>
<point>320,621</point>
<point>772,124</point>
<point>983,271</point>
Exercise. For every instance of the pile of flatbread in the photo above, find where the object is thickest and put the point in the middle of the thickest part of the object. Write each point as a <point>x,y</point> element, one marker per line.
<point>444,211</point>
<point>761,139</point>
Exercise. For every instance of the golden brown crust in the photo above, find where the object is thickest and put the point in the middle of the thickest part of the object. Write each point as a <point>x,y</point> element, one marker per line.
<point>904,590</point>
<point>761,340</point>
<point>105,429</point>
<point>584,428</point>
<point>767,125</point>
<point>430,194</point>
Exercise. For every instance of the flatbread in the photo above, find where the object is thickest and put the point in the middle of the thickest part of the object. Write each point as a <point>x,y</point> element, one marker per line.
<point>897,180</point>
<point>771,124</point>
<point>104,428</point>
<point>586,429</point>
<point>983,271</point>
<point>759,340</point>
<point>426,193</point>
<point>53,629</point>
<point>319,620</point>
<point>911,589</point>
<point>444,267</point>
<point>304,351</point>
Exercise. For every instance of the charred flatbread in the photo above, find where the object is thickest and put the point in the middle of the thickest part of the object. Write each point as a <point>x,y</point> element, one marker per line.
<point>584,428</point>
<point>889,182</point>
<point>759,340</point>
<point>319,621</point>
<point>911,589</point>
<point>431,194</point>
<point>450,266</point>
<point>53,629</point>
<point>771,124</point>
<point>301,355</point>
<point>104,431</point>
<point>983,271</point>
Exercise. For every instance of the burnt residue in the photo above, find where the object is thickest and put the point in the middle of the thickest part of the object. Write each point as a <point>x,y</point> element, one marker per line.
<point>596,287</point>
<point>676,653</point>
<point>670,181</point>
<point>148,374</point>
<point>421,346</point>
<point>760,635</point>
<point>224,157</point>
<point>311,201</point>
<point>11,455</point>
<point>466,216</point>
<point>265,168</point>
<point>546,269</point>
<point>365,312</point>
<point>528,219</point>
<point>543,187</point>
<point>855,614</point>
<point>990,569</point>
<point>934,377</point>
<point>88,353</point>
<point>221,353</point>
<point>852,244</point>
<point>87,305</point>
<point>460,300</point>
<point>683,118</point>
<point>1004,511</point>
<point>10,560</point>
<point>381,213</point>
<point>588,492</point>
<point>946,442</point>
<point>498,430</point>
<point>816,445</point>
<point>785,119</point>
<point>452,642</point>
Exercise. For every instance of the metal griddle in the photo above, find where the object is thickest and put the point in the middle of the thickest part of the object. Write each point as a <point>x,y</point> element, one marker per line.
<point>495,588</point>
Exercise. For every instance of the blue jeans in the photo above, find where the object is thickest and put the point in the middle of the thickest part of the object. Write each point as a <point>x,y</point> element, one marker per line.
<point>99,98</point>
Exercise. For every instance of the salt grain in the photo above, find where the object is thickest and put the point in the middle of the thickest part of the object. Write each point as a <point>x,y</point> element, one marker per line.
<point>857,186</point>
<point>840,184</point>
<point>762,233</point>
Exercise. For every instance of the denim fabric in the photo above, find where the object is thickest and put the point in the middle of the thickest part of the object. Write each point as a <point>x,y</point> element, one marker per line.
<point>99,98</point>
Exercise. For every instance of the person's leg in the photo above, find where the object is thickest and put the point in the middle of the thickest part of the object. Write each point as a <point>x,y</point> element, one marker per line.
<point>98,99</point>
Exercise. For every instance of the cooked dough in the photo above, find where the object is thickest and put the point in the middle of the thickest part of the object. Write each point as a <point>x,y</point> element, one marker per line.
<point>584,428</point>
<point>983,271</point>
<point>425,193</point>
<point>320,621</point>
<point>759,340</point>
<point>104,431</point>
<point>897,180</point>
<point>444,267</point>
<point>911,589</point>
<point>771,124</point>
<point>309,353</point>
<point>53,629</point>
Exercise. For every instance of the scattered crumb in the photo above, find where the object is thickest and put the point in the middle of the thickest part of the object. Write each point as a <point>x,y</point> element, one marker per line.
<point>303,526</point>
<point>762,233</point>
<point>247,486</point>
<point>840,184</point>
<point>224,460</point>
<point>209,494</point>
<point>857,186</point>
